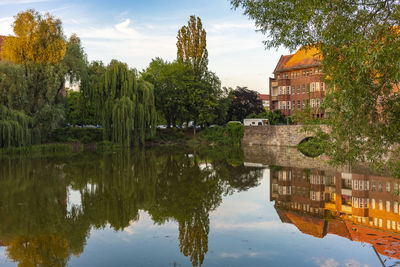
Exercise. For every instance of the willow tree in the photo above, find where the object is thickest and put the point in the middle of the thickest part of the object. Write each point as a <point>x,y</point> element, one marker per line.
<point>127,103</point>
<point>192,45</point>
<point>14,128</point>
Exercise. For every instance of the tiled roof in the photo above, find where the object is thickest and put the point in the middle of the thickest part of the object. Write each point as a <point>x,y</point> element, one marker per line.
<point>263,97</point>
<point>303,58</point>
<point>282,62</point>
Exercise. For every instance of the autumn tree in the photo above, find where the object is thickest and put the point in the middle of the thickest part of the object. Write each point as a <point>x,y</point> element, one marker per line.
<point>192,45</point>
<point>358,41</point>
<point>36,39</point>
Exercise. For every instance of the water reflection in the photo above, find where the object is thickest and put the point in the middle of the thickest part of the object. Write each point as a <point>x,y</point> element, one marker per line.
<point>43,225</point>
<point>359,207</point>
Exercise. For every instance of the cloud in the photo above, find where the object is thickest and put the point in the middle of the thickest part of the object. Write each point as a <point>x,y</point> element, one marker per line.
<point>271,225</point>
<point>21,2</point>
<point>247,254</point>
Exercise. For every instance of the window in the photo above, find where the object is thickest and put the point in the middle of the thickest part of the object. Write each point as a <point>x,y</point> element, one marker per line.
<point>288,105</point>
<point>280,90</point>
<point>380,100</point>
<point>304,88</point>
<point>380,205</point>
<point>279,105</point>
<point>283,105</point>
<point>293,104</point>
<point>298,73</point>
<point>317,86</point>
<point>312,103</point>
<point>298,104</point>
<point>312,87</point>
<point>355,184</point>
<point>322,86</point>
<point>373,203</point>
<point>304,104</point>
<point>291,75</point>
<point>387,206</point>
<point>298,89</point>
<point>396,207</point>
<point>293,90</point>
<point>279,76</point>
<point>387,186</point>
<point>380,187</point>
<point>317,102</point>
<point>373,186</point>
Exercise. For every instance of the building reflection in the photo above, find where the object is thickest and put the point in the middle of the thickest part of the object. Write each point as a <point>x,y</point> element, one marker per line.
<point>359,207</point>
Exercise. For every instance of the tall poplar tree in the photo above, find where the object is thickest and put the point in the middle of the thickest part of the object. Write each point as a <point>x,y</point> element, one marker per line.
<point>192,46</point>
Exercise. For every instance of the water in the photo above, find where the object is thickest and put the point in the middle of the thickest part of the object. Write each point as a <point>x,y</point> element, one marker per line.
<point>260,207</point>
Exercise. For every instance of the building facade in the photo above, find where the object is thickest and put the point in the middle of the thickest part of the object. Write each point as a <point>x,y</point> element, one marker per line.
<point>1,43</point>
<point>265,100</point>
<point>298,84</point>
<point>361,207</point>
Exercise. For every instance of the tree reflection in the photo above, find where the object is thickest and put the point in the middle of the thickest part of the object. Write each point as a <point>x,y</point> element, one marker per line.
<point>39,229</point>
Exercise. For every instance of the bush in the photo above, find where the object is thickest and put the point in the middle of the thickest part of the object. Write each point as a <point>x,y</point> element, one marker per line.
<point>231,135</point>
<point>311,147</point>
<point>83,135</point>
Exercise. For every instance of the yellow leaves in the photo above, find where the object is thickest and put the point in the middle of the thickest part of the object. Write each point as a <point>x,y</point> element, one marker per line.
<point>192,44</point>
<point>37,39</point>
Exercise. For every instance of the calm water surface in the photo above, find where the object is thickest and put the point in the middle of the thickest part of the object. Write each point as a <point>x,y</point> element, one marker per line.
<point>184,208</point>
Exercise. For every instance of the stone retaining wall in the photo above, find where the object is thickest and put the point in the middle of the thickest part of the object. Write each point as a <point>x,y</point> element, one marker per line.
<point>276,135</point>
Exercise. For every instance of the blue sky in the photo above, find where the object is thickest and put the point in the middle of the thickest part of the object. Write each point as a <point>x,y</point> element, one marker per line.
<point>137,31</point>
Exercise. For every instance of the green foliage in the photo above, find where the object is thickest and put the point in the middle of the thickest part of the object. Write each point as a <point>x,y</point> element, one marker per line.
<point>311,147</point>
<point>181,96</point>
<point>169,136</point>
<point>232,134</point>
<point>358,41</point>
<point>127,105</point>
<point>36,150</point>
<point>83,135</point>
<point>73,112</point>
<point>14,128</point>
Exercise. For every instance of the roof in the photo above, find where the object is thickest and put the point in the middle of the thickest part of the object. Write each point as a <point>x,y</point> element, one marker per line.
<point>305,223</point>
<point>305,57</point>
<point>263,97</point>
<point>282,62</point>
<point>1,42</point>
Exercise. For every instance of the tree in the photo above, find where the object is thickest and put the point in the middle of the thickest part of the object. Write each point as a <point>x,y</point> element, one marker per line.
<point>127,103</point>
<point>171,82</point>
<point>37,39</point>
<point>192,46</point>
<point>245,102</point>
<point>358,41</point>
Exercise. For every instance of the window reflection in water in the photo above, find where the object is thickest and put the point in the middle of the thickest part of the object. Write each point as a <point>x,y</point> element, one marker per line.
<point>360,207</point>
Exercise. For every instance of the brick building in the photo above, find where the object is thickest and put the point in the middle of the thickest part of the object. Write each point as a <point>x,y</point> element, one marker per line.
<point>360,207</point>
<point>265,100</point>
<point>1,43</point>
<point>297,82</point>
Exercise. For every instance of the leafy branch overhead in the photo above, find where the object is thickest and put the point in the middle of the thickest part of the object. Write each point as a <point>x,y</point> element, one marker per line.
<point>359,44</point>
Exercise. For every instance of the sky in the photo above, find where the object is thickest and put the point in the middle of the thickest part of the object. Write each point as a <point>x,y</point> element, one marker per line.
<point>136,31</point>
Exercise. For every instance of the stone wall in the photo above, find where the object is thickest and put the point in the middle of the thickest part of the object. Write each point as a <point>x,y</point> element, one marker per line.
<point>276,135</point>
<point>291,157</point>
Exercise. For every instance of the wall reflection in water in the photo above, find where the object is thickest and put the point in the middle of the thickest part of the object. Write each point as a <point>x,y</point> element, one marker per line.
<point>360,207</point>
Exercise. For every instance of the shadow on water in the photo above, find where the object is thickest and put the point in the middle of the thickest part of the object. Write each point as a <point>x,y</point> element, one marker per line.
<point>39,227</point>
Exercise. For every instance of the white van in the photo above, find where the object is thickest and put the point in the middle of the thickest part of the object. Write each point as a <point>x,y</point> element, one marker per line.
<point>255,122</point>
